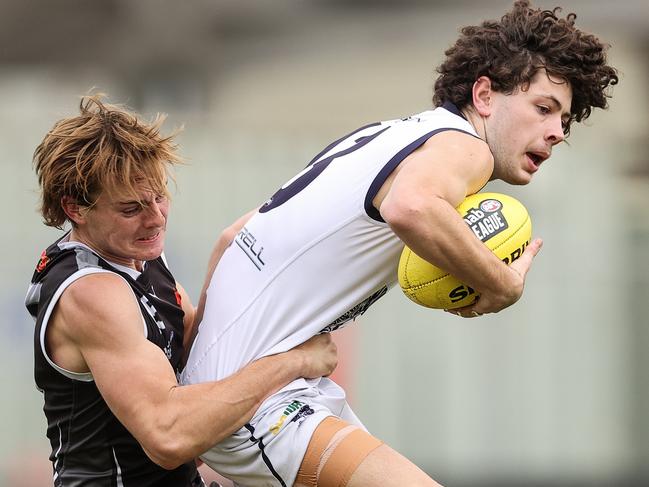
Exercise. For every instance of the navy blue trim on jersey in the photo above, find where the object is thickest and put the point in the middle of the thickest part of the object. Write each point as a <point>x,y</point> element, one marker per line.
<point>285,193</point>
<point>391,165</point>
<point>260,444</point>
<point>336,142</point>
<point>450,107</point>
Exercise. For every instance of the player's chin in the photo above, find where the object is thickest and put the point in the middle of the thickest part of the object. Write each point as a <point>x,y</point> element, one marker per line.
<point>521,178</point>
<point>149,250</point>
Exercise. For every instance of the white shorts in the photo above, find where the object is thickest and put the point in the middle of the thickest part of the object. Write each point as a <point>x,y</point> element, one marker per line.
<point>268,451</point>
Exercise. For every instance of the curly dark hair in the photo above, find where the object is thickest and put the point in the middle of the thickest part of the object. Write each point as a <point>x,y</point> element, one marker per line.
<point>510,51</point>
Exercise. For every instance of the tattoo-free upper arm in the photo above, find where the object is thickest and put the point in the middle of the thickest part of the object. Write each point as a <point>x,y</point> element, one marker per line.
<point>450,165</point>
<point>99,315</point>
<point>102,318</point>
<point>420,203</point>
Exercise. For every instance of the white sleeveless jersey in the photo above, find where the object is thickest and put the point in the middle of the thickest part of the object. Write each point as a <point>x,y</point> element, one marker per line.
<point>315,256</point>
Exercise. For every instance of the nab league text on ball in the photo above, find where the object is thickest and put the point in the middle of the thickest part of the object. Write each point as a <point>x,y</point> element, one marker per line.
<point>485,226</point>
<point>501,222</point>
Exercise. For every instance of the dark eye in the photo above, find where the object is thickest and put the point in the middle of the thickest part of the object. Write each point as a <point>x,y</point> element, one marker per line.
<point>160,198</point>
<point>131,211</point>
<point>543,109</point>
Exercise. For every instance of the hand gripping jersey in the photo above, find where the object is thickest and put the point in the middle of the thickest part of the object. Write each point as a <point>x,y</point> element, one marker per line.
<point>90,447</point>
<point>315,256</point>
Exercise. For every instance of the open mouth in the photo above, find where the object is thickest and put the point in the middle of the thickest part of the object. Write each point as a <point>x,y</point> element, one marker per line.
<point>149,239</point>
<point>537,157</point>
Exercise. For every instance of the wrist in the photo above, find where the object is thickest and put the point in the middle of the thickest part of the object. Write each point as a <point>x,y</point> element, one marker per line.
<point>297,363</point>
<point>511,289</point>
<point>289,364</point>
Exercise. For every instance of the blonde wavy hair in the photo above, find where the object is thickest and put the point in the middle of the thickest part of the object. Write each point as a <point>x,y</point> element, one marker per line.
<point>106,148</point>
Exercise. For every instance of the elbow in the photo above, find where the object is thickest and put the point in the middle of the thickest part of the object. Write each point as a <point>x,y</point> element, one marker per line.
<point>166,463</point>
<point>168,453</point>
<point>170,448</point>
<point>403,216</point>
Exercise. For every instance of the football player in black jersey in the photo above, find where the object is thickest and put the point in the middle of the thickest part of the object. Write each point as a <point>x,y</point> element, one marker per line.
<point>112,323</point>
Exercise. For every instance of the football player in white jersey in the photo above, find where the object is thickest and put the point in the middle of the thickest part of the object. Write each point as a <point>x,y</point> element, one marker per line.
<point>326,245</point>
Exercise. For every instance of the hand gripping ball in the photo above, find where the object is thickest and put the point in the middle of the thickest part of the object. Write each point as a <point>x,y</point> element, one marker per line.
<point>501,222</point>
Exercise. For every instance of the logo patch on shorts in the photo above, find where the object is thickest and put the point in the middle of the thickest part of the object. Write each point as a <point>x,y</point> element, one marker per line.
<point>303,410</point>
<point>302,413</point>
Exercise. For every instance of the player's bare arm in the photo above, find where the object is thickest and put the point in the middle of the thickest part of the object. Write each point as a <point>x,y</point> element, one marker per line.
<point>189,320</point>
<point>174,424</point>
<point>419,203</point>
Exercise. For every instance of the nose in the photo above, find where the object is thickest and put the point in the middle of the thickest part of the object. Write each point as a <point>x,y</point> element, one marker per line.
<point>554,133</point>
<point>156,213</point>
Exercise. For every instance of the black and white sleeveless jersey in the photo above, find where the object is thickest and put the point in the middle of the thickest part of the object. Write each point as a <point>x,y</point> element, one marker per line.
<point>90,447</point>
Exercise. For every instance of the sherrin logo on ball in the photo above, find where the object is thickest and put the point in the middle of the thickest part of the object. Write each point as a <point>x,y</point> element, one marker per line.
<point>501,222</point>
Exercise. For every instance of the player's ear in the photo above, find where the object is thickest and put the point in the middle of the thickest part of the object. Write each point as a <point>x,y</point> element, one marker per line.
<point>482,96</point>
<point>72,209</point>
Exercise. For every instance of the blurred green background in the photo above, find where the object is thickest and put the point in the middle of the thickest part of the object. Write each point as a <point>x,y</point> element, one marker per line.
<point>551,392</point>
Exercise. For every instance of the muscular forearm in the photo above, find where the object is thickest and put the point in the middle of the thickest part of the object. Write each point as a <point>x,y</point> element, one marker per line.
<point>437,234</point>
<point>172,423</point>
<point>201,415</point>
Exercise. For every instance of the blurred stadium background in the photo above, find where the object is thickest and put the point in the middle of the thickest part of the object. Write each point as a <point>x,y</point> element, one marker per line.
<point>552,392</point>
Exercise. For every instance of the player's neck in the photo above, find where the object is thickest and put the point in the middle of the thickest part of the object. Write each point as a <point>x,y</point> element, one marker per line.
<point>476,121</point>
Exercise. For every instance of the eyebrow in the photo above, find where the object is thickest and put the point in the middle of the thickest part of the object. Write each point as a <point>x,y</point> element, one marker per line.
<point>128,202</point>
<point>556,101</point>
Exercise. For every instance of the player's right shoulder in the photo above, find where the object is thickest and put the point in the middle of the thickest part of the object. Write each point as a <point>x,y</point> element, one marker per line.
<point>91,310</point>
<point>96,297</point>
<point>461,148</point>
<point>458,140</point>
<point>96,285</point>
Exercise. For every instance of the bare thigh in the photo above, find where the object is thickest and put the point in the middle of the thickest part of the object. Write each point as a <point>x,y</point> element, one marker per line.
<point>386,467</point>
<point>344,455</point>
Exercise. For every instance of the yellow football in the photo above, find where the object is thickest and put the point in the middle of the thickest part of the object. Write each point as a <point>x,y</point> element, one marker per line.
<point>501,222</point>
